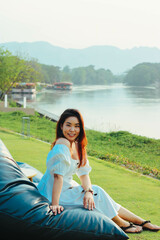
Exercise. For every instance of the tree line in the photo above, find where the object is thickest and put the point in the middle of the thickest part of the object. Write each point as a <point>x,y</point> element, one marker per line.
<point>78,76</point>
<point>143,74</point>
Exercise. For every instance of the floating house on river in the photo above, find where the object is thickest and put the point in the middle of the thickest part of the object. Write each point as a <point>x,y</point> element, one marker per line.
<point>62,86</point>
<point>24,88</point>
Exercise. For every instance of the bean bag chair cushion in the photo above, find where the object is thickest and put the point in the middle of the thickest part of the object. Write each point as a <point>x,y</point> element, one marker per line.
<point>37,178</point>
<point>25,213</point>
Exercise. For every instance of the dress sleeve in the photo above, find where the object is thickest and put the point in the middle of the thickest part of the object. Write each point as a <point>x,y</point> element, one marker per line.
<point>58,160</point>
<point>84,170</point>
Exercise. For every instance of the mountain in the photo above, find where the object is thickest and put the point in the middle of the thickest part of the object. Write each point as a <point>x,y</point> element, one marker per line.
<point>108,57</point>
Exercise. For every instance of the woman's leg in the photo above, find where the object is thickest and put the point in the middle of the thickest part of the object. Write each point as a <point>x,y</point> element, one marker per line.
<point>131,217</point>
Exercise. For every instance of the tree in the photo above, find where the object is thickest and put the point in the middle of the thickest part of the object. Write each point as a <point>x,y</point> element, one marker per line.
<point>79,76</point>
<point>91,77</point>
<point>50,74</point>
<point>104,77</point>
<point>143,74</point>
<point>14,70</point>
<point>110,77</point>
<point>66,74</point>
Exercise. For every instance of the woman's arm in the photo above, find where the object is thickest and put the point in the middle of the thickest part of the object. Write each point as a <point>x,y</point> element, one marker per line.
<point>56,191</point>
<point>85,181</point>
<point>58,183</point>
<point>88,197</point>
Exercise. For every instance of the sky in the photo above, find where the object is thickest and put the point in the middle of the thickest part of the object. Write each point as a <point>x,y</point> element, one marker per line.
<point>81,23</point>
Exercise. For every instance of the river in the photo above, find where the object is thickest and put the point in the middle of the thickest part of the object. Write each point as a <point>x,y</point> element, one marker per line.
<point>109,108</point>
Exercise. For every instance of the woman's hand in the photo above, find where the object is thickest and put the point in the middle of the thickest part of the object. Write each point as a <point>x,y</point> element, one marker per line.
<point>56,209</point>
<point>88,201</point>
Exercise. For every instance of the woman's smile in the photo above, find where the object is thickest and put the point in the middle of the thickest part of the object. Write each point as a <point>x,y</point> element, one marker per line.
<point>71,135</point>
<point>71,128</point>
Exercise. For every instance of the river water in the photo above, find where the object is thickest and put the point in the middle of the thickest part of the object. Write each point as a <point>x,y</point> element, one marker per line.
<point>109,108</point>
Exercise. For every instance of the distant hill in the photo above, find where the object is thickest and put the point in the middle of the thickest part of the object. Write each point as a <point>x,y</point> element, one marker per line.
<point>108,57</point>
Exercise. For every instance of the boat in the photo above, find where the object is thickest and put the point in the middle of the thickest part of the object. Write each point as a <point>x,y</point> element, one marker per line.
<point>24,88</point>
<point>62,86</point>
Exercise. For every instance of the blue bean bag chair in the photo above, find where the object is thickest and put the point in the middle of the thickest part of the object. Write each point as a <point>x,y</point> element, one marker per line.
<point>25,213</point>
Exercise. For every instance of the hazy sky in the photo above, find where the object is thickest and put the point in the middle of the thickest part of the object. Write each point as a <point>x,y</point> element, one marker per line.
<point>81,23</point>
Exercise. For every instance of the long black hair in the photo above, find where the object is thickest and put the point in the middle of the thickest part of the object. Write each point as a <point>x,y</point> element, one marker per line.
<point>81,139</point>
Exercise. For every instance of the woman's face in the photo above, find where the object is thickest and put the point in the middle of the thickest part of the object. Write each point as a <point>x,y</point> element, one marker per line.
<point>71,128</point>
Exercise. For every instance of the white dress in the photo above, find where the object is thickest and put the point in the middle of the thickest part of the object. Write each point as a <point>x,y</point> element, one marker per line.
<point>59,161</point>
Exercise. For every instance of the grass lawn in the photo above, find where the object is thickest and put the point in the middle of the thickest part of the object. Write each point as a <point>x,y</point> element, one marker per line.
<point>135,152</point>
<point>138,193</point>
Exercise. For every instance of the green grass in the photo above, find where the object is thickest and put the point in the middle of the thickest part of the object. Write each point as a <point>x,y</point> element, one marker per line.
<point>27,150</point>
<point>135,152</point>
<point>134,191</point>
<point>40,127</point>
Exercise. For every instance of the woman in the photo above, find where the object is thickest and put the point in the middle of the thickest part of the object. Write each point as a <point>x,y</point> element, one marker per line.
<point>67,157</point>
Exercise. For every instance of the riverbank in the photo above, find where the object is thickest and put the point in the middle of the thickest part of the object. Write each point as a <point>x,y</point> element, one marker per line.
<point>131,151</point>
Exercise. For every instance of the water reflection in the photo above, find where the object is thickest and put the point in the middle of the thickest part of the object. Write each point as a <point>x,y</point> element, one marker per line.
<point>144,93</point>
<point>20,97</point>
